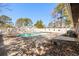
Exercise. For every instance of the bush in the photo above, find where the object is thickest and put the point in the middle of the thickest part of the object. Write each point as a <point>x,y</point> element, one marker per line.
<point>71,33</point>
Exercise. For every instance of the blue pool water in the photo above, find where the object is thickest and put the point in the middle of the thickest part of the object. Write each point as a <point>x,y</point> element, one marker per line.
<point>28,34</point>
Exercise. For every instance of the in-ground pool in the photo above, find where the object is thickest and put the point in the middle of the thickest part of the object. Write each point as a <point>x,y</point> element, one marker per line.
<point>29,34</point>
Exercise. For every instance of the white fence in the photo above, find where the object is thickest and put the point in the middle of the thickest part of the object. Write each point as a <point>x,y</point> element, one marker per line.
<point>25,30</point>
<point>58,30</point>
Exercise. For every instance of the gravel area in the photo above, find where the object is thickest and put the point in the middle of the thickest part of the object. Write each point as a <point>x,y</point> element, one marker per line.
<point>38,46</point>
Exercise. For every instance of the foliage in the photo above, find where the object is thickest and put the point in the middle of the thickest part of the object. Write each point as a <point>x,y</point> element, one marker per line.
<point>39,24</point>
<point>8,26</point>
<point>23,22</point>
<point>5,21</point>
<point>59,7</point>
<point>68,23</point>
<point>63,11</point>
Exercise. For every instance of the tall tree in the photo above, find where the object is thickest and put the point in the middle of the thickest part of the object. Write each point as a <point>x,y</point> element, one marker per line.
<point>23,22</point>
<point>39,24</point>
<point>63,11</point>
<point>59,8</point>
<point>5,19</point>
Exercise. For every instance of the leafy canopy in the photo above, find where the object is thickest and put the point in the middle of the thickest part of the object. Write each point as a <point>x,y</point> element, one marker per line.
<point>5,21</point>
<point>39,24</point>
<point>23,22</point>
